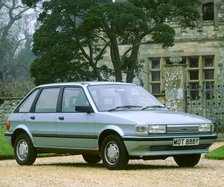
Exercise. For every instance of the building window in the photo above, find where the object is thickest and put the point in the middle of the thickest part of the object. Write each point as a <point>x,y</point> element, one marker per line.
<point>209,74</point>
<point>193,80</point>
<point>156,64</point>
<point>209,62</point>
<point>208,11</point>
<point>155,88</point>
<point>208,70</point>
<point>201,75</point>
<point>194,74</point>
<point>155,76</point>
<point>193,62</point>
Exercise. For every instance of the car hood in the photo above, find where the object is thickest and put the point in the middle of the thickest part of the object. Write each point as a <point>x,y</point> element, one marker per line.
<point>153,117</point>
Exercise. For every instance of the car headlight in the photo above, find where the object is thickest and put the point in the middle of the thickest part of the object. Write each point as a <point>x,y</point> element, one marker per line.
<point>157,129</point>
<point>205,127</point>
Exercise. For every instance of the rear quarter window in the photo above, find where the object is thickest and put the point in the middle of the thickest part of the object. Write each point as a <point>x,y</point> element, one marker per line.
<point>27,103</point>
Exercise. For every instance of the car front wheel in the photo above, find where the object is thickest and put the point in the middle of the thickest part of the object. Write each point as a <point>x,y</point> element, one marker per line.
<point>114,153</point>
<point>187,160</point>
<point>91,159</point>
<point>25,153</point>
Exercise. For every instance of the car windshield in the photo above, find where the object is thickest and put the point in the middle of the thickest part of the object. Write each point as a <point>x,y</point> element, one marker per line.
<point>122,97</point>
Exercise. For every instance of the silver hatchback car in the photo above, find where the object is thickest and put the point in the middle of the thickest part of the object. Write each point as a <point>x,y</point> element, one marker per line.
<point>111,121</point>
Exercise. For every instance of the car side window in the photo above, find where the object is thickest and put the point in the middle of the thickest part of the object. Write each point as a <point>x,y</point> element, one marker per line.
<point>47,101</point>
<point>26,105</point>
<point>73,97</point>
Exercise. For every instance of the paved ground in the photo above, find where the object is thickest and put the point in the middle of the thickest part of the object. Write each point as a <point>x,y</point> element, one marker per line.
<point>73,171</point>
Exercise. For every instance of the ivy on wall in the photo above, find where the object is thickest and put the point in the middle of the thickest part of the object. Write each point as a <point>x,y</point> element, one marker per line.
<point>173,88</point>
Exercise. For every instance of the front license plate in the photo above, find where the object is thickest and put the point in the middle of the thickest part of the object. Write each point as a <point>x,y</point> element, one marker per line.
<point>185,141</point>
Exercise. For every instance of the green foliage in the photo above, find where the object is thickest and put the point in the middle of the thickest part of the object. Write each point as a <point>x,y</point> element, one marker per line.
<point>182,12</point>
<point>75,35</point>
<point>15,88</point>
<point>52,70</point>
<point>163,34</point>
<point>62,54</point>
<point>124,20</point>
<point>216,154</point>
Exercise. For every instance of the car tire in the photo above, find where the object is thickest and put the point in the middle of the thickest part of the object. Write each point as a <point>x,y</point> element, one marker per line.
<point>114,153</point>
<point>187,160</point>
<point>25,153</point>
<point>91,159</point>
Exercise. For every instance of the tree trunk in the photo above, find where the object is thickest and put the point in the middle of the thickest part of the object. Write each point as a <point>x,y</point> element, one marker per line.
<point>115,58</point>
<point>97,72</point>
<point>133,64</point>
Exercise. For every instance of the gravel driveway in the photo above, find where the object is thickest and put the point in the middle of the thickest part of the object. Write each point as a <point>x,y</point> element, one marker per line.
<point>73,171</point>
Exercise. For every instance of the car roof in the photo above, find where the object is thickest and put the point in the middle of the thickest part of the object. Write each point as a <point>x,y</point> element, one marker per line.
<point>85,83</point>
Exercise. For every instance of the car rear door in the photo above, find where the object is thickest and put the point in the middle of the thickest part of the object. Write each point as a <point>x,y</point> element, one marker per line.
<point>42,119</point>
<point>75,129</point>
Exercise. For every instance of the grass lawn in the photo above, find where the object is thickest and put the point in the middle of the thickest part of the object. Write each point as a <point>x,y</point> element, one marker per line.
<point>217,154</point>
<point>6,150</point>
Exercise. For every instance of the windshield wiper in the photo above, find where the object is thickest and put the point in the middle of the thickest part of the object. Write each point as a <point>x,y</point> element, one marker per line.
<point>153,107</point>
<point>125,106</point>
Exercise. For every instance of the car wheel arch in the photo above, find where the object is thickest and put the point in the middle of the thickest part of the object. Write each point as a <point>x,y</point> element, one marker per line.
<point>112,129</point>
<point>19,131</point>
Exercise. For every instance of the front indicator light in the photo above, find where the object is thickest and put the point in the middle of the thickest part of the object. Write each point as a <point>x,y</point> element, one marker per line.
<point>7,124</point>
<point>205,127</point>
<point>157,129</point>
<point>141,129</point>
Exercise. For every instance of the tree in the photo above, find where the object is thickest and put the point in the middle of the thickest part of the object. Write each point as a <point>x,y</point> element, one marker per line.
<point>131,22</point>
<point>62,54</point>
<point>76,34</point>
<point>11,34</point>
<point>24,58</point>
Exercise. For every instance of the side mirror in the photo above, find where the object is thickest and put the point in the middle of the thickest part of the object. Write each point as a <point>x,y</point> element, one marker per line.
<point>84,109</point>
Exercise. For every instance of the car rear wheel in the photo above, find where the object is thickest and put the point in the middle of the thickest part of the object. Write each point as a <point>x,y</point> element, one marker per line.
<point>187,160</point>
<point>25,153</point>
<point>114,153</point>
<point>91,159</point>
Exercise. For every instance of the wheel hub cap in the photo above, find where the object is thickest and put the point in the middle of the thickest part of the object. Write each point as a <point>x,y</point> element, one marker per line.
<point>22,150</point>
<point>112,153</point>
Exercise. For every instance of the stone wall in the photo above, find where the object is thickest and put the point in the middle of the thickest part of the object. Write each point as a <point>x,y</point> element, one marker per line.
<point>7,105</point>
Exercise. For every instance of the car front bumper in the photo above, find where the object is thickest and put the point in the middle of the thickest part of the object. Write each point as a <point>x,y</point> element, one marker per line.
<point>8,136</point>
<point>163,145</point>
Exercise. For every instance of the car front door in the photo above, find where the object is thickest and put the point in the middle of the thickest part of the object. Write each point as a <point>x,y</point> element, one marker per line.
<point>75,129</point>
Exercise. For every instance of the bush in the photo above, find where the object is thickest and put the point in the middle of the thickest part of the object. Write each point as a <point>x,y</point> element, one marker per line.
<point>15,88</point>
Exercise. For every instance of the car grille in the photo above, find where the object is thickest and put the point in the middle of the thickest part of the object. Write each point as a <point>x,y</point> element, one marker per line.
<point>170,147</point>
<point>173,129</point>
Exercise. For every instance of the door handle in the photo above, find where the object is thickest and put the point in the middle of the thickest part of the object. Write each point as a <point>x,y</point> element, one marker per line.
<point>32,117</point>
<point>61,118</point>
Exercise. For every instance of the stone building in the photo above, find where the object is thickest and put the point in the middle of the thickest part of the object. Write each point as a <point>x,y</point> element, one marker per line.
<point>189,75</point>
